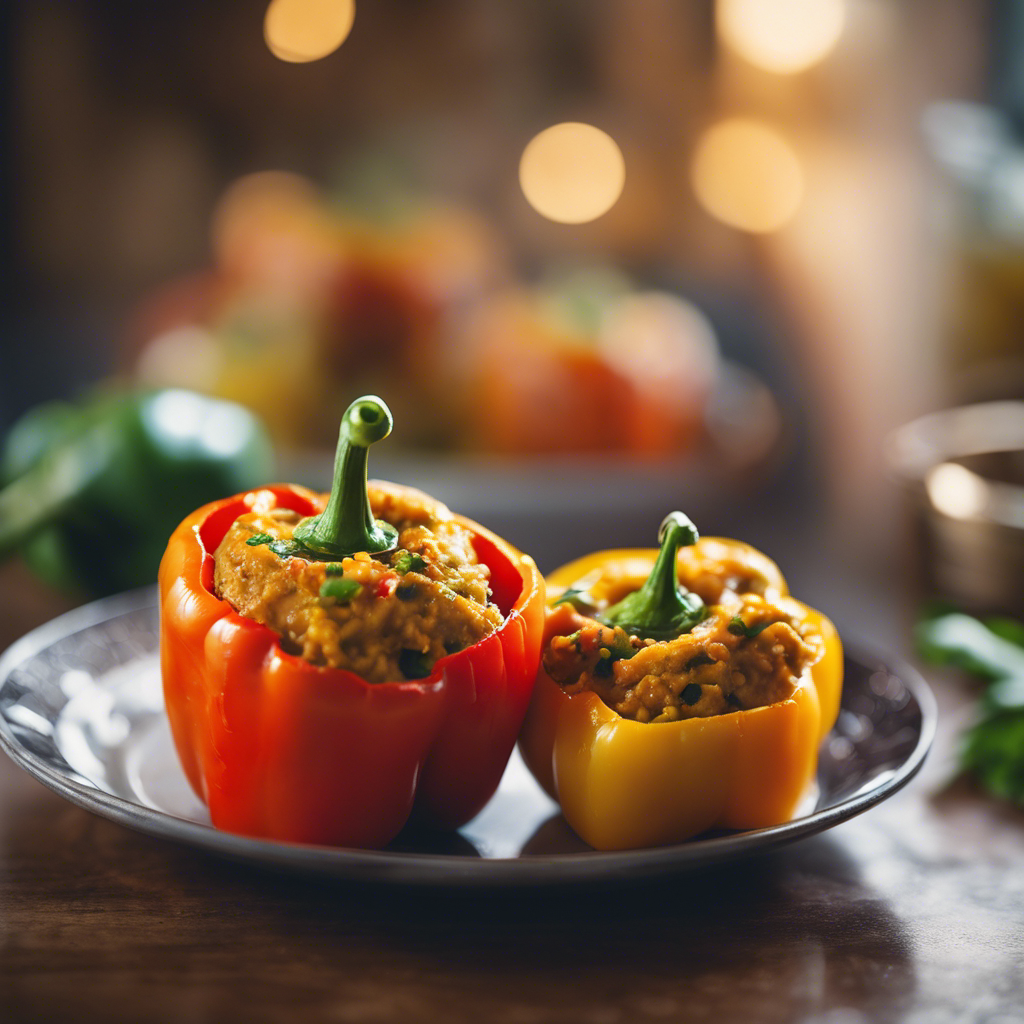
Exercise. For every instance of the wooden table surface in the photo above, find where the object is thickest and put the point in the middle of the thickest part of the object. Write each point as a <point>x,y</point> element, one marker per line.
<point>913,911</point>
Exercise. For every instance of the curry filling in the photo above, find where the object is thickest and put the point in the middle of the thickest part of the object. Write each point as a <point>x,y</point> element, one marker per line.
<point>749,651</point>
<point>384,617</point>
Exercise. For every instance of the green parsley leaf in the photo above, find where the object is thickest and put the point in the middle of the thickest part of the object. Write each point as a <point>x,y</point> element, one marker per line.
<point>341,590</point>
<point>994,751</point>
<point>579,599</point>
<point>620,649</point>
<point>288,549</point>
<point>408,561</point>
<point>739,628</point>
<point>993,748</point>
<point>281,548</point>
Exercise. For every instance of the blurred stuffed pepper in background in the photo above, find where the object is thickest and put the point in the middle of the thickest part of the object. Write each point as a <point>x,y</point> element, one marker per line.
<point>313,295</point>
<point>588,363</point>
<point>680,690</point>
<point>333,668</point>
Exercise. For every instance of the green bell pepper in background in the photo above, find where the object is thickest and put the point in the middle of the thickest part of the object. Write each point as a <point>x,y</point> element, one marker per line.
<point>994,747</point>
<point>93,490</point>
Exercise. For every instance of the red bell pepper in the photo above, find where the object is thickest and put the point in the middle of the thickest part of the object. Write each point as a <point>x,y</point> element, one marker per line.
<point>280,748</point>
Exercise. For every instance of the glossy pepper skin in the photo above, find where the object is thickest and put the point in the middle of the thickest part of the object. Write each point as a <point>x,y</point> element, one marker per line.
<point>94,489</point>
<point>283,749</point>
<point>624,784</point>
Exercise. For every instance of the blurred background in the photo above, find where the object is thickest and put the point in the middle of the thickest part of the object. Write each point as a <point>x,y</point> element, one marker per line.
<point>602,257</point>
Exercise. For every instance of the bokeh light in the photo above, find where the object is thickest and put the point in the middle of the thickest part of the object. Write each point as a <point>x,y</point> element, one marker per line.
<point>784,36</point>
<point>747,176</point>
<point>955,491</point>
<point>572,172</point>
<point>300,31</point>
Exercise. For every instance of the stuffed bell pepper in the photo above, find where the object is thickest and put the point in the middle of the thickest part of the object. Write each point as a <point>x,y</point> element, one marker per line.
<point>332,669</point>
<point>680,690</point>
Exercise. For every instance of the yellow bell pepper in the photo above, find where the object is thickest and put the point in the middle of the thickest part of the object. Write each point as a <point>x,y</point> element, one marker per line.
<point>623,783</point>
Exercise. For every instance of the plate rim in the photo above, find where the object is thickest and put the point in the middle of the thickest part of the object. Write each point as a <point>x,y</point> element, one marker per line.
<point>441,870</point>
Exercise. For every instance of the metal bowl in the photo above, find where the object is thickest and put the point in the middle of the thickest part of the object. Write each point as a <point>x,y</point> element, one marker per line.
<point>962,472</point>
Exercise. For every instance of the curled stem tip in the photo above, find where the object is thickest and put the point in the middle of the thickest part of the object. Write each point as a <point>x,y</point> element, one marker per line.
<point>347,524</point>
<point>661,609</point>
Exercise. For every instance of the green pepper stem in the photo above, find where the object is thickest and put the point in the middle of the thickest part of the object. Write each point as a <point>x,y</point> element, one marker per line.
<point>661,589</point>
<point>347,524</point>
<point>661,609</point>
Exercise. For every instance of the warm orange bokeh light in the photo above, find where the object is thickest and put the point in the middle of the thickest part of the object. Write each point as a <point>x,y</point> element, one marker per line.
<point>572,172</point>
<point>300,31</point>
<point>747,176</point>
<point>784,36</point>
